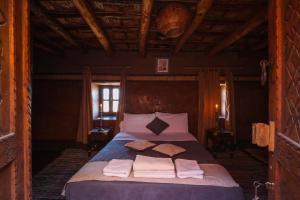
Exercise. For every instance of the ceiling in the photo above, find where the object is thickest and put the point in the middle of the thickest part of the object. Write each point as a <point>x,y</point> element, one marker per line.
<point>120,22</point>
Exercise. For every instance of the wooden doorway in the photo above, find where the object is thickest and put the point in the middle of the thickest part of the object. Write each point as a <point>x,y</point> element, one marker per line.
<point>285,97</point>
<point>15,172</point>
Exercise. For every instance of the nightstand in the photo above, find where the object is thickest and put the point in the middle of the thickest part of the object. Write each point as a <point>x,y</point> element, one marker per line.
<point>218,141</point>
<point>99,137</point>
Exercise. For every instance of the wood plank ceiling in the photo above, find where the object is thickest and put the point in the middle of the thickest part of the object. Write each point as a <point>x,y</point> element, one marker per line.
<point>216,26</point>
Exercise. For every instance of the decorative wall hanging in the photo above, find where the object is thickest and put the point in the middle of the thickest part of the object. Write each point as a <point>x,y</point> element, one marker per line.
<point>162,65</point>
<point>264,76</point>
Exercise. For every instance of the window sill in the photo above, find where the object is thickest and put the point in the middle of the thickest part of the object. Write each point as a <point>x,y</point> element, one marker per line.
<point>107,118</point>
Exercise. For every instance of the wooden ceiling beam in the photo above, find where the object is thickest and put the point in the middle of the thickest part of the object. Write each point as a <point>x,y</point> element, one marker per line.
<point>51,23</point>
<point>202,7</point>
<point>145,24</point>
<point>88,15</point>
<point>248,27</point>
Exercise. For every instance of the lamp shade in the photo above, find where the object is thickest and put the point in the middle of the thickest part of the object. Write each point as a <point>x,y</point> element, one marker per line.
<point>173,19</point>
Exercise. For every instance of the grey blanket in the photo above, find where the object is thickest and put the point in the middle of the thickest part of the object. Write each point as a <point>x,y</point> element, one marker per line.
<point>98,190</point>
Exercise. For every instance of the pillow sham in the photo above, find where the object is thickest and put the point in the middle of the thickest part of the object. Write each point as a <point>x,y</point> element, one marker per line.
<point>139,145</point>
<point>169,149</point>
<point>136,123</point>
<point>178,123</point>
<point>157,126</point>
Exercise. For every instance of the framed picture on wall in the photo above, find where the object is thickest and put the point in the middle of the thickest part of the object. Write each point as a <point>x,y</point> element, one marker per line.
<point>162,65</point>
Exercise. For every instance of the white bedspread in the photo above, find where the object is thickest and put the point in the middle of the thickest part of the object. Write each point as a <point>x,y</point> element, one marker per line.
<point>153,137</point>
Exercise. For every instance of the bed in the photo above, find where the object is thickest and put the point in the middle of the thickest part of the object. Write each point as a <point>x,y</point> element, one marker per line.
<point>221,187</point>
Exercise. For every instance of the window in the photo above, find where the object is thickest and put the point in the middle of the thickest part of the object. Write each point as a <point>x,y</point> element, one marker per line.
<point>109,99</point>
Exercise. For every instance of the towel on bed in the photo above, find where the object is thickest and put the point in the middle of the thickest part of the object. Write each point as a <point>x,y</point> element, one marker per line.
<point>119,168</point>
<point>154,174</point>
<point>188,169</point>
<point>146,163</point>
<point>151,167</point>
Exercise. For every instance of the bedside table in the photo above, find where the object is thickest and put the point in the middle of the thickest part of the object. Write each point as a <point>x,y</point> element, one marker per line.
<point>99,137</point>
<point>218,141</point>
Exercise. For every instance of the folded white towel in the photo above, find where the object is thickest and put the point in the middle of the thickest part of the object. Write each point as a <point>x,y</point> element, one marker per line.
<point>146,163</point>
<point>188,169</point>
<point>154,174</point>
<point>119,168</point>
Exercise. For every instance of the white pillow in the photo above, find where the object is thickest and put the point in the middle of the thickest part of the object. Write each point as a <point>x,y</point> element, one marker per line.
<point>178,123</point>
<point>136,123</point>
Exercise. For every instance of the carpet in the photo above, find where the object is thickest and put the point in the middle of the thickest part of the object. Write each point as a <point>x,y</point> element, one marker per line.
<point>48,183</point>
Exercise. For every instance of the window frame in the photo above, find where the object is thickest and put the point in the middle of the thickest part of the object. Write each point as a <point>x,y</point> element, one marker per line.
<point>111,100</point>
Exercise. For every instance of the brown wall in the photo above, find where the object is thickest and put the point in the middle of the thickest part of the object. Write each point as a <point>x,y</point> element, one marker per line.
<point>251,101</point>
<point>56,103</point>
<point>172,97</point>
<point>55,109</point>
<point>73,61</point>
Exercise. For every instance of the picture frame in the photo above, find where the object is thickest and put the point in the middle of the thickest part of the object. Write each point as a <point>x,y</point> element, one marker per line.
<point>162,65</point>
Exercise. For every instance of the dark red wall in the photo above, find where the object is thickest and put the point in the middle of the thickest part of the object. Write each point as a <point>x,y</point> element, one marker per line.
<point>73,62</point>
<point>56,103</point>
<point>172,97</point>
<point>55,109</point>
<point>251,100</point>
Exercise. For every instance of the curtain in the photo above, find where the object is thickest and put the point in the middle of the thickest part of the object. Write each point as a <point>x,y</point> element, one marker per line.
<point>85,117</point>
<point>230,105</point>
<point>121,108</point>
<point>209,96</point>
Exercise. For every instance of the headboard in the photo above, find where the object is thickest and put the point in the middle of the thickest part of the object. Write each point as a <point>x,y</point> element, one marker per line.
<point>163,96</point>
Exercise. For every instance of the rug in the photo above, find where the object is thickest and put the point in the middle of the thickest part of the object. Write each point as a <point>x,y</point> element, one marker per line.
<point>48,183</point>
<point>245,169</point>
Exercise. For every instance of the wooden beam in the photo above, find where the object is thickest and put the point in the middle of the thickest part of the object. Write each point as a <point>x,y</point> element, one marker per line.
<point>51,23</point>
<point>202,7</point>
<point>90,18</point>
<point>249,26</point>
<point>145,24</point>
<point>98,77</point>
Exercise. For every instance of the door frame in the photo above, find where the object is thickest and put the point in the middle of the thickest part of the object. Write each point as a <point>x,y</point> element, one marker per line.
<point>284,162</point>
<point>23,99</point>
<point>15,145</point>
<point>275,45</point>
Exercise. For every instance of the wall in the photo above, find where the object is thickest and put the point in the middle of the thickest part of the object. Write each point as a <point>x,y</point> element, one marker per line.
<point>55,109</point>
<point>172,97</point>
<point>73,61</point>
<point>251,101</point>
<point>57,119</point>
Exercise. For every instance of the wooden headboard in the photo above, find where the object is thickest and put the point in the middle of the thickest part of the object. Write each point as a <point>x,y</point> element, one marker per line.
<point>163,96</point>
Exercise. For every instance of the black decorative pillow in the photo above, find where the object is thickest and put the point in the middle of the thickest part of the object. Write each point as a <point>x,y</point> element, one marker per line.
<point>157,126</point>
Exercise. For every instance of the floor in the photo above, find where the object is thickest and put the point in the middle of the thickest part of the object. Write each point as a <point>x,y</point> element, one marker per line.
<point>51,170</point>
